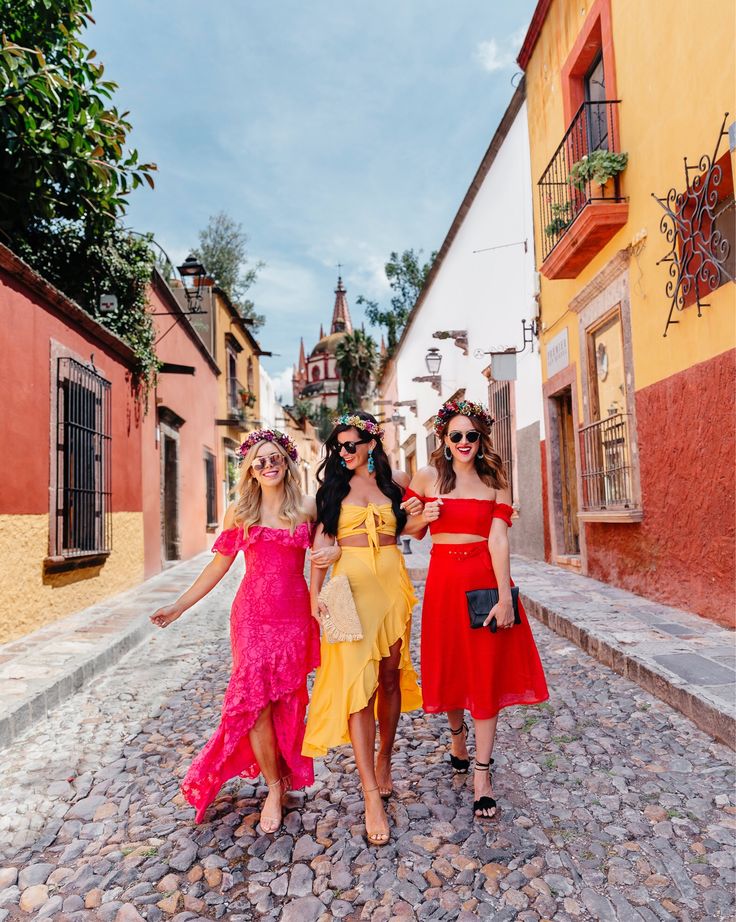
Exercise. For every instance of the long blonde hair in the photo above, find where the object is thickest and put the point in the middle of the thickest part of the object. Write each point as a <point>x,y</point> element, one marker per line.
<point>249,495</point>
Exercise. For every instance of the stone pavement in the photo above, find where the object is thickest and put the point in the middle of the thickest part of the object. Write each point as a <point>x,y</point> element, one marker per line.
<point>682,658</point>
<point>612,807</point>
<point>39,671</point>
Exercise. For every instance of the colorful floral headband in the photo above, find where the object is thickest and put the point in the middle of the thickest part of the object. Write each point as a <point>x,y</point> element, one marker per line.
<point>460,408</point>
<point>356,422</point>
<point>269,435</point>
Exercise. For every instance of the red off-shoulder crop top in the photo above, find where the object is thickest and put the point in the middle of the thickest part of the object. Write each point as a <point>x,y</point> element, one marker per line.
<point>465,516</point>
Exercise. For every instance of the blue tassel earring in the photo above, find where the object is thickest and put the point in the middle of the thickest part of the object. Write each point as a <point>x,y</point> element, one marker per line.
<point>342,461</point>
<point>371,462</point>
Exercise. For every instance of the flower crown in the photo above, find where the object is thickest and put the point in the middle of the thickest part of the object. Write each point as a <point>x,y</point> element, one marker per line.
<point>269,435</point>
<point>460,408</point>
<point>356,422</point>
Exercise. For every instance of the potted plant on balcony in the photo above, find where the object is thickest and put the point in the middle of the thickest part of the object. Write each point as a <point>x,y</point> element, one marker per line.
<point>560,213</point>
<point>247,397</point>
<point>600,166</point>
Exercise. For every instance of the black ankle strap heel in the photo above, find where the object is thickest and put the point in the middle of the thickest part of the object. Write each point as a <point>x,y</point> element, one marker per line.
<point>486,802</point>
<point>460,766</point>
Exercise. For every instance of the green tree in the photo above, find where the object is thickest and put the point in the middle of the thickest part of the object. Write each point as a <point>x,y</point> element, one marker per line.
<point>65,172</point>
<point>223,251</point>
<point>406,276</point>
<point>356,357</point>
<point>63,151</point>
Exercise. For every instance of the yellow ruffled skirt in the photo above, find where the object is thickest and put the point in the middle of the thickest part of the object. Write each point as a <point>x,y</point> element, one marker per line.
<point>348,674</point>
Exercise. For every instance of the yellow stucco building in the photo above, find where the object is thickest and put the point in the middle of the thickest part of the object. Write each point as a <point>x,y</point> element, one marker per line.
<point>632,126</point>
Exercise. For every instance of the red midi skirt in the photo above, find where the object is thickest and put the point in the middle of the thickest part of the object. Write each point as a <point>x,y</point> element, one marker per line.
<point>468,668</point>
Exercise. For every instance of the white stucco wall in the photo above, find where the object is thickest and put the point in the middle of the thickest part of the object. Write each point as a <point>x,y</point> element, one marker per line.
<point>487,293</point>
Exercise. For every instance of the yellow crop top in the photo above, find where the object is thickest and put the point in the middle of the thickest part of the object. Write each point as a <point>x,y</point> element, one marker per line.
<point>371,520</point>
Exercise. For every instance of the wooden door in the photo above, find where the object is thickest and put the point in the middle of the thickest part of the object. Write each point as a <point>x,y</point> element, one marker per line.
<point>568,478</point>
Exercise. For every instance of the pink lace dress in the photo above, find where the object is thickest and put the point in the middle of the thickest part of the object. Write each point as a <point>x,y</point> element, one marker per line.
<point>275,645</point>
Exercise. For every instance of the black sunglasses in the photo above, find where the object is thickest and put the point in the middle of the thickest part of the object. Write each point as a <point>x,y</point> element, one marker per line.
<point>350,447</point>
<point>472,436</point>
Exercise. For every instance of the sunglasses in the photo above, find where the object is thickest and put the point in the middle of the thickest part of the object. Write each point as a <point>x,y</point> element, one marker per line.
<point>472,436</point>
<point>260,464</point>
<point>350,447</point>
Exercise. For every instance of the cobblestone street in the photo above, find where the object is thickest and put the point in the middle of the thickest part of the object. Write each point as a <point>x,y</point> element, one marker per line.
<point>612,807</point>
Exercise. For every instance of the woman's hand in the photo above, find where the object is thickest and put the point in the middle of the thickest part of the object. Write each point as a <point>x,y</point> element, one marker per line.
<point>432,510</point>
<point>164,616</point>
<point>318,609</point>
<point>326,556</point>
<point>503,612</point>
<point>412,506</point>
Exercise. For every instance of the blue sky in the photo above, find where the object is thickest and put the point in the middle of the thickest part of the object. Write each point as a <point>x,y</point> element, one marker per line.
<point>335,132</point>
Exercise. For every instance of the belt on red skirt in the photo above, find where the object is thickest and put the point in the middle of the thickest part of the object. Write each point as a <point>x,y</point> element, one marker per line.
<point>460,551</point>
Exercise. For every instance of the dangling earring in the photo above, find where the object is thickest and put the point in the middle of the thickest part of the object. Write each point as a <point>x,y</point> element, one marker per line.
<point>448,453</point>
<point>342,461</point>
<point>480,456</point>
<point>371,462</point>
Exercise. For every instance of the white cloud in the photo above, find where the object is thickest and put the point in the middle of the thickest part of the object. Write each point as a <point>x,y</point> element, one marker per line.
<point>493,55</point>
<point>282,385</point>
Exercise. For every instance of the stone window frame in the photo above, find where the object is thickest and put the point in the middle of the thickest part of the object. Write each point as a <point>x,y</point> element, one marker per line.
<point>56,559</point>
<point>607,292</point>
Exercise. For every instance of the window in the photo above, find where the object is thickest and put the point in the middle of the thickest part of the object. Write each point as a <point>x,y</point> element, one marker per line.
<point>315,373</point>
<point>499,402</point>
<point>83,461</point>
<point>210,486</point>
<point>703,230</point>
<point>605,443</point>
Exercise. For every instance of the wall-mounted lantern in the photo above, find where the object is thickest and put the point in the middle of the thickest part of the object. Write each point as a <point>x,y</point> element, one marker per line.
<point>433,361</point>
<point>192,271</point>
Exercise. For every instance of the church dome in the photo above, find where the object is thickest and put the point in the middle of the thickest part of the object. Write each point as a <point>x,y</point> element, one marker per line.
<point>328,344</point>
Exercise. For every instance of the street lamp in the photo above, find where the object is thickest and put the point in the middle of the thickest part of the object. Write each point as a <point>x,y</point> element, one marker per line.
<point>433,360</point>
<point>192,269</point>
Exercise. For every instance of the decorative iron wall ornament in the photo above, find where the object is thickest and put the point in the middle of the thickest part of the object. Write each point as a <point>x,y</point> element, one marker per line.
<point>698,250</point>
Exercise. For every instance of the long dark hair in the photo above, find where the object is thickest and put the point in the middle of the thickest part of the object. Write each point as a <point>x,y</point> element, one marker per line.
<point>489,468</point>
<point>334,479</point>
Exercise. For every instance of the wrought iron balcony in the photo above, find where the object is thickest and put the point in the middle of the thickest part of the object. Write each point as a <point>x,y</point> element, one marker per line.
<point>562,197</point>
<point>605,452</point>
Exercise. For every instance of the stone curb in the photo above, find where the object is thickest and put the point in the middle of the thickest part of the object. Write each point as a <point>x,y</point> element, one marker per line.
<point>23,714</point>
<point>717,722</point>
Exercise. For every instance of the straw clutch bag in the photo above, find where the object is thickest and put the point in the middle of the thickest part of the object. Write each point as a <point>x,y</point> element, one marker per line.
<point>340,622</point>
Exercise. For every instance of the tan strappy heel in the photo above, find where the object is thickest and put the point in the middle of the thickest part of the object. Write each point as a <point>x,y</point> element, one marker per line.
<point>375,838</point>
<point>270,829</point>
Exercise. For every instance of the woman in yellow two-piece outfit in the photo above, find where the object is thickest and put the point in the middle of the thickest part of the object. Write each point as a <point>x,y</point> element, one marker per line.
<point>359,505</point>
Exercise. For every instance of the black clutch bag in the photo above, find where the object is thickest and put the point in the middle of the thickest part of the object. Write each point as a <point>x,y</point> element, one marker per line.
<point>481,601</point>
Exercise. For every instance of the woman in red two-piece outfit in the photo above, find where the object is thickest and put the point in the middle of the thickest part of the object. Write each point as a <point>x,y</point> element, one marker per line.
<point>467,506</point>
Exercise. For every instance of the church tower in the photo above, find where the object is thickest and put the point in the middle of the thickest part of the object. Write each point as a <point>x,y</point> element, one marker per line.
<point>316,378</point>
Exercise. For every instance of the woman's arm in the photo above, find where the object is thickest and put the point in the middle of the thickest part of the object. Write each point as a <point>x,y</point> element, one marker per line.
<point>204,583</point>
<point>498,545</point>
<point>417,524</point>
<point>317,572</point>
<point>329,553</point>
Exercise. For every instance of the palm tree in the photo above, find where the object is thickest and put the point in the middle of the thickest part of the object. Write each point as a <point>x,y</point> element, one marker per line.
<point>356,356</point>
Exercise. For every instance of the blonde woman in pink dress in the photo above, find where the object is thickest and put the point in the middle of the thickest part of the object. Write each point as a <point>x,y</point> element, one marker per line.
<point>274,638</point>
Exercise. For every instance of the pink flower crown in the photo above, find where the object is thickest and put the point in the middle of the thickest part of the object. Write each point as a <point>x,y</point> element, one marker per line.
<point>460,408</point>
<point>356,422</point>
<point>269,435</point>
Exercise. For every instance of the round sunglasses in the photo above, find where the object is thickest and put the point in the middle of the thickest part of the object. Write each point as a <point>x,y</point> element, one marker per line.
<point>472,436</point>
<point>260,464</point>
<point>350,447</point>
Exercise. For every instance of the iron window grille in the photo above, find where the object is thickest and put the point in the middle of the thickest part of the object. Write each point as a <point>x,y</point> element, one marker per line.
<point>211,488</point>
<point>499,399</point>
<point>605,449</point>
<point>83,461</point>
<point>593,128</point>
